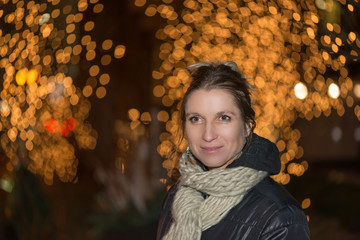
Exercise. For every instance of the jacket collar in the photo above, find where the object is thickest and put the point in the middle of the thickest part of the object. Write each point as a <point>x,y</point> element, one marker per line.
<point>261,154</point>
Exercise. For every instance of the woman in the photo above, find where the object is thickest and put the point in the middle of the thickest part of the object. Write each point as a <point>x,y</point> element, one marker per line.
<point>224,191</point>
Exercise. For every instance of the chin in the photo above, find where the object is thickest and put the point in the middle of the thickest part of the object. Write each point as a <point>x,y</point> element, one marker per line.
<point>214,164</point>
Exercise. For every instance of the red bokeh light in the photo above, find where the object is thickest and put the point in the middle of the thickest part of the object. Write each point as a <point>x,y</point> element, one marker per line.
<point>64,128</point>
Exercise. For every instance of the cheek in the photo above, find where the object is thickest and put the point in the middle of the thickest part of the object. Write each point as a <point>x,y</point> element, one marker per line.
<point>192,134</point>
<point>232,136</point>
<point>188,134</point>
<point>236,135</point>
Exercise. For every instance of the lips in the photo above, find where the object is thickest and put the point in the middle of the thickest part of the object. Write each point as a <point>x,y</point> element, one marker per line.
<point>211,149</point>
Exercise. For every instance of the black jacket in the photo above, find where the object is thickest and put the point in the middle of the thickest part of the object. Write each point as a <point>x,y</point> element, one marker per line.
<point>267,211</point>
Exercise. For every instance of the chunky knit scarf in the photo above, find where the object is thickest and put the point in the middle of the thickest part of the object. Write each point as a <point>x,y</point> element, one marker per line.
<point>225,188</point>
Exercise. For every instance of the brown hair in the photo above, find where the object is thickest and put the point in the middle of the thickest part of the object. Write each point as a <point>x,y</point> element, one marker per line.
<point>226,76</point>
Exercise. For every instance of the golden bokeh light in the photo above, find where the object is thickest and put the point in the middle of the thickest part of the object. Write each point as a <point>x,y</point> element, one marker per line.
<point>94,70</point>
<point>140,3</point>
<point>150,10</point>
<point>119,51</point>
<point>41,107</point>
<point>90,55</point>
<point>104,79</point>
<point>107,44</point>
<point>70,28</point>
<point>145,117</point>
<point>357,90</point>
<point>352,36</point>
<point>89,26</point>
<point>105,60</point>
<point>98,8</point>
<point>159,91</point>
<point>163,116</point>
<point>306,203</point>
<point>32,76</point>
<point>134,114</point>
<point>21,76</point>
<point>87,91</point>
<point>101,92</point>
<point>330,27</point>
<point>277,49</point>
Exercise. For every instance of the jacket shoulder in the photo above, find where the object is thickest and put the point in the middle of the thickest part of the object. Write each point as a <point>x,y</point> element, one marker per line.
<point>265,201</point>
<point>266,212</point>
<point>288,222</point>
<point>286,219</point>
<point>275,193</point>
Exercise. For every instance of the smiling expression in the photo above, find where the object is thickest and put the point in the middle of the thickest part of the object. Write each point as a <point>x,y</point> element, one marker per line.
<point>214,127</point>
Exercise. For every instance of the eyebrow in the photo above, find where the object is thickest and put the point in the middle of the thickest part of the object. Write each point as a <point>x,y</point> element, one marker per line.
<point>218,113</point>
<point>226,112</point>
<point>195,113</point>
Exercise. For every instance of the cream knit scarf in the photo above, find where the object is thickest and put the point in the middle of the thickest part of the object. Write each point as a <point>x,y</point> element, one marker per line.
<point>193,214</point>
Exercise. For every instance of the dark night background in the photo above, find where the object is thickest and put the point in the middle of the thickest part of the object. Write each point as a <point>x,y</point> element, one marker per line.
<point>62,211</point>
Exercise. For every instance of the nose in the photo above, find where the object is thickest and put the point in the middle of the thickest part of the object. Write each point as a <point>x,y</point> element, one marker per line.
<point>209,132</point>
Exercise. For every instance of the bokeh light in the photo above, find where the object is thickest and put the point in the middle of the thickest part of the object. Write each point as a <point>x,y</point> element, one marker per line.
<point>306,203</point>
<point>336,134</point>
<point>357,134</point>
<point>300,91</point>
<point>357,90</point>
<point>277,47</point>
<point>43,111</point>
<point>334,91</point>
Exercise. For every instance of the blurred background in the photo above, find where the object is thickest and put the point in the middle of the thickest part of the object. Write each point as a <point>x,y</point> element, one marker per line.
<point>90,95</point>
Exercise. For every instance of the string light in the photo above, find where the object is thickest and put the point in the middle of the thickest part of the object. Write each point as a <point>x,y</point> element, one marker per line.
<point>41,107</point>
<point>275,46</point>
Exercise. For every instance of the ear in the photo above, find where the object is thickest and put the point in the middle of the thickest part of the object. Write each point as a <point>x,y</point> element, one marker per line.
<point>248,127</point>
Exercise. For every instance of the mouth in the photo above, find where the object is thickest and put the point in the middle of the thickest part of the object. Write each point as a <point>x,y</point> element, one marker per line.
<point>211,149</point>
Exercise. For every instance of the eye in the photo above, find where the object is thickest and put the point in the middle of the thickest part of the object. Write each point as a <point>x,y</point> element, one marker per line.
<point>224,118</point>
<point>195,119</point>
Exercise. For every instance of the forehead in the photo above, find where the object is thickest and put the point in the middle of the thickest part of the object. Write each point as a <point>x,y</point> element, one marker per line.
<point>211,101</point>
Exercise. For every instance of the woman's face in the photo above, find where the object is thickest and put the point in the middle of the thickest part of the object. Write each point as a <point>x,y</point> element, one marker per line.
<point>214,127</point>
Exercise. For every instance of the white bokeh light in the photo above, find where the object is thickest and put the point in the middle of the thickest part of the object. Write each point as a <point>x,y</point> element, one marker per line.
<point>357,134</point>
<point>336,134</point>
<point>300,91</point>
<point>357,90</point>
<point>321,4</point>
<point>44,18</point>
<point>4,107</point>
<point>334,90</point>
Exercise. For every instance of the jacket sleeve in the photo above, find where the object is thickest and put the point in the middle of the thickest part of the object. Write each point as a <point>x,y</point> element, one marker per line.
<point>289,223</point>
